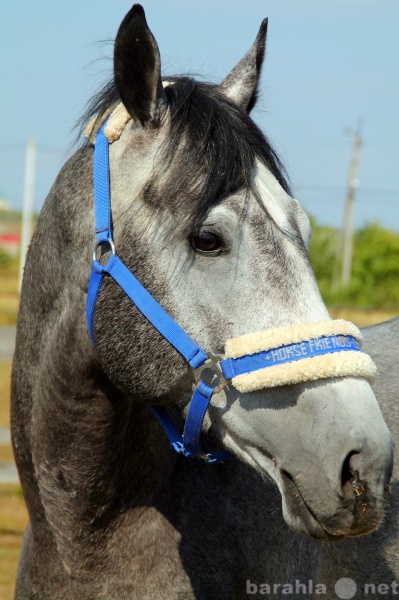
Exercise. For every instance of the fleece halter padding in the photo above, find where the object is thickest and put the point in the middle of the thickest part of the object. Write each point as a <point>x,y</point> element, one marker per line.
<point>118,118</point>
<point>291,355</point>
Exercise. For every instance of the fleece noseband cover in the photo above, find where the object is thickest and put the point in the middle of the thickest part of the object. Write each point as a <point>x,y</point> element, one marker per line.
<point>296,354</point>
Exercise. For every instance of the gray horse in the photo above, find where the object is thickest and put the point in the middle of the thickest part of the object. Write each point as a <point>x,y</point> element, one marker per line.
<point>202,214</point>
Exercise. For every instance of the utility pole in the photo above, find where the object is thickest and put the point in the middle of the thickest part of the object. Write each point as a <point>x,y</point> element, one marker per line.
<point>28,203</point>
<point>353,184</point>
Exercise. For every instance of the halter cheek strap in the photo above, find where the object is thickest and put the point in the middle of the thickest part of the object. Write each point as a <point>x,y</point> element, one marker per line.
<point>189,443</point>
<point>284,356</point>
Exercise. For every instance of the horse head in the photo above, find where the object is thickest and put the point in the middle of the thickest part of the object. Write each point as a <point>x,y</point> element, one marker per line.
<point>203,216</point>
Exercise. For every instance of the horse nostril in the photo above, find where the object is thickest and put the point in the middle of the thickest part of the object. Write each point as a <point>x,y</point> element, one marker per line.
<point>348,473</point>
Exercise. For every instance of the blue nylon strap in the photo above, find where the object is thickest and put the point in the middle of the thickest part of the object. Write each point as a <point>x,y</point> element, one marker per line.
<point>195,416</point>
<point>150,308</point>
<point>231,367</point>
<point>169,427</point>
<point>178,442</point>
<point>192,429</point>
<point>201,397</point>
<point>102,196</point>
<point>156,315</point>
<point>96,279</point>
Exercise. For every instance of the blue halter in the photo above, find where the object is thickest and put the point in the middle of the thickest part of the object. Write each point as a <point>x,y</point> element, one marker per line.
<point>187,444</point>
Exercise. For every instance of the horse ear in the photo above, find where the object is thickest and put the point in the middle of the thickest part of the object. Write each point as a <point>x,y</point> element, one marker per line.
<point>241,84</point>
<point>137,67</point>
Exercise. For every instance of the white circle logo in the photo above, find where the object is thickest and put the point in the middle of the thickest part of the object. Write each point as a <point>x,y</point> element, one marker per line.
<point>345,588</point>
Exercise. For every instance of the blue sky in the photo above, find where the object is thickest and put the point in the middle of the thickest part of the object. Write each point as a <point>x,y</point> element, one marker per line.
<point>328,63</point>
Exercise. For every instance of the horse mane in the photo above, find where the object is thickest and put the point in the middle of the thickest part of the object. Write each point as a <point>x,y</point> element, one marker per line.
<point>212,145</point>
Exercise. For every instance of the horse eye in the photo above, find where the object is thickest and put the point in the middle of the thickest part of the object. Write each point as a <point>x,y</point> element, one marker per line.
<point>206,242</point>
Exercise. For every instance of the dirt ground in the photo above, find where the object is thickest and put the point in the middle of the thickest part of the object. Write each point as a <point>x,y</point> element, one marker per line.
<point>13,519</point>
<point>13,513</point>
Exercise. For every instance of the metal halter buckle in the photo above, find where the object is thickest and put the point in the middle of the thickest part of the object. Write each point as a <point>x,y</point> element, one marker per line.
<point>212,364</point>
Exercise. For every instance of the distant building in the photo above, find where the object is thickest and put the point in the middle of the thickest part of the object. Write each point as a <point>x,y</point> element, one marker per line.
<point>10,239</point>
<point>10,243</point>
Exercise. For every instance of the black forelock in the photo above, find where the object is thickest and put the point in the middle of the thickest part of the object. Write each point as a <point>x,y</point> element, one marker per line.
<point>209,152</point>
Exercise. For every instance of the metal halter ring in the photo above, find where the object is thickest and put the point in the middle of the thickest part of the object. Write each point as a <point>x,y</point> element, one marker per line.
<point>108,241</point>
<point>212,364</point>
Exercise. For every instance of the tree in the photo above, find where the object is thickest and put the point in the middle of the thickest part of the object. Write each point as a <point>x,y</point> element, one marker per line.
<point>375,270</point>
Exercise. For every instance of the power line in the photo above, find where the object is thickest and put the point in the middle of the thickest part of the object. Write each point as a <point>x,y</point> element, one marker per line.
<point>41,147</point>
<point>337,188</point>
<point>50,149</point>
<point>362,201</point>
<point>11,147</point>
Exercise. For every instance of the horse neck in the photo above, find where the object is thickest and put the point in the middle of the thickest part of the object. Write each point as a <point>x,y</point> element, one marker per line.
<point>115,441</point>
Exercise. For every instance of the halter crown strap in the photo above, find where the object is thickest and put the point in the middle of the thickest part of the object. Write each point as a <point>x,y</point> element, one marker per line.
<point>102,194</point>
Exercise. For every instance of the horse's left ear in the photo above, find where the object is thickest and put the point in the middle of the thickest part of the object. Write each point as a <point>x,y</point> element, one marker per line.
<point>241,84</point>
<point>137,67</point>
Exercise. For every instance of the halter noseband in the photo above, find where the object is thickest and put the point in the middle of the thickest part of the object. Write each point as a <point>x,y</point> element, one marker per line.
<point>263,359</point>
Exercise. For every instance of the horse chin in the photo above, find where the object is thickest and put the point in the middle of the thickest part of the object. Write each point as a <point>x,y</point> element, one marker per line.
<point>349,520</point>
<point>346,523</point>
<point>298,515</point>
